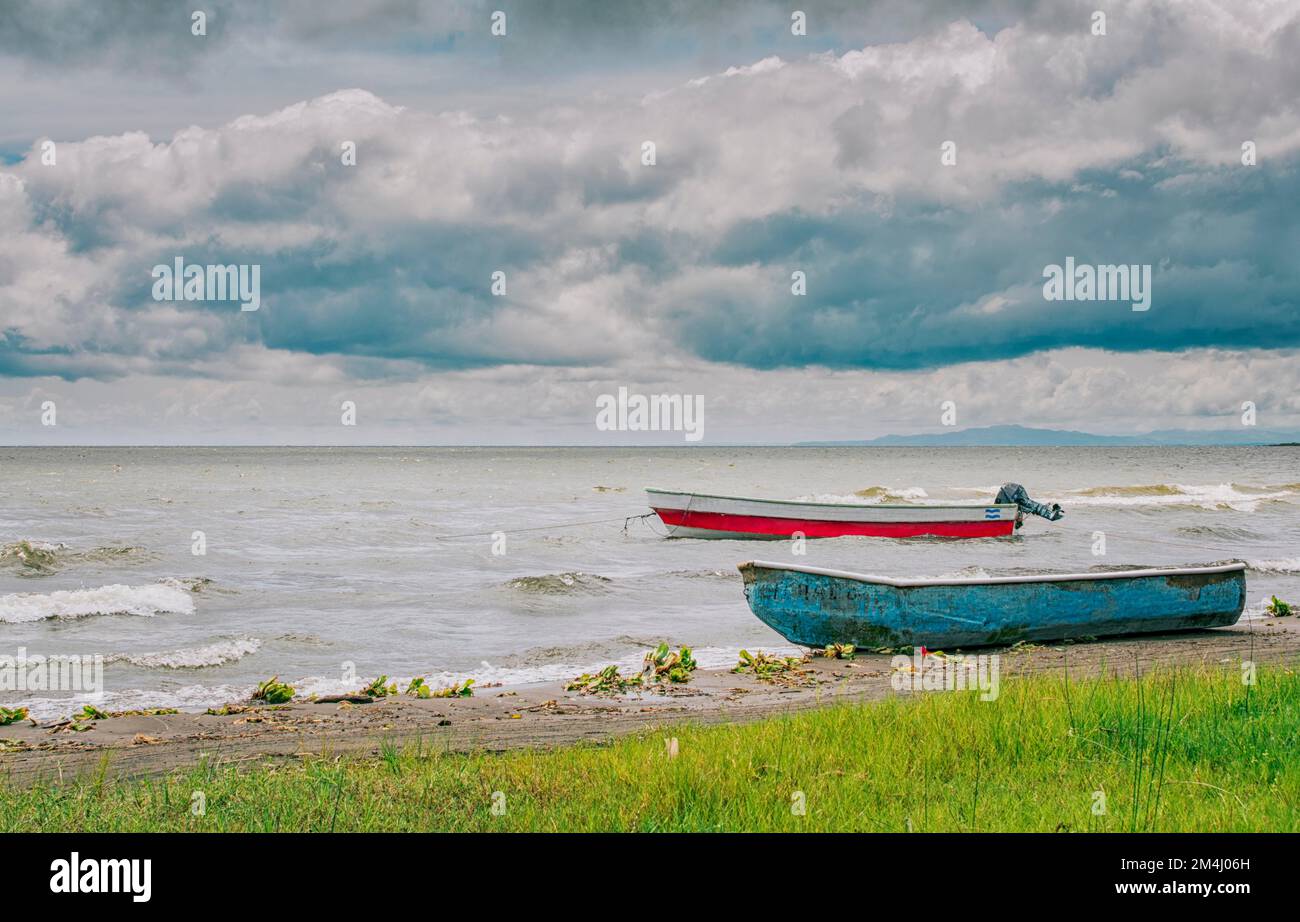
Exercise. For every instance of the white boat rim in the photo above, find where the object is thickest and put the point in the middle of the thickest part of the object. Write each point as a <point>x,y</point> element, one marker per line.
<point>996,580</point>
<point>800,502</point>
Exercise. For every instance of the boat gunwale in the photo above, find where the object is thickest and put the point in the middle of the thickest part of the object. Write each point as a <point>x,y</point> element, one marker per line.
<point>1238,566</point>
<point>797,502</point>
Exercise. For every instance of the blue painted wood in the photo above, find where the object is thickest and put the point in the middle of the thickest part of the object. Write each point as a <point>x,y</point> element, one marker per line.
<point>814,608</point>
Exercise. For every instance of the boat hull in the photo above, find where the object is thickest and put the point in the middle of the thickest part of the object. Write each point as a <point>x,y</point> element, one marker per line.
<point>696,515</point>
<point>816,607</point>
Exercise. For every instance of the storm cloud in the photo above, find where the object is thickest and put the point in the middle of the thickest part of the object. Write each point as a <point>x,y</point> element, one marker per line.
<point>775,154</point>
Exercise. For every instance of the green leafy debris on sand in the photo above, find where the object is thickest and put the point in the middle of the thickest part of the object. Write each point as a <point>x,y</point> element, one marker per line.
<point>1279,609</point>
<point>379,688</point>
<point>418,688</point>
<point>663,665</point>
<point>90,712</point>
<point>273,691</point>
<point>837,651</point>
<point>11,715</point>
<point>457,690</point>
<point>1186,750</point>
<point>660,665</point>
<point>767,667</point>
<point>606,682</point>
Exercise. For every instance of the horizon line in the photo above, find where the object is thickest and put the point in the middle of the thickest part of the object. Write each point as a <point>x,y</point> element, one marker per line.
<point>810,443</point>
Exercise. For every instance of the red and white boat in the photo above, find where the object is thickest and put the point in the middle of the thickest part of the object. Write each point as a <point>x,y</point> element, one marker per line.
<point>700,515</point>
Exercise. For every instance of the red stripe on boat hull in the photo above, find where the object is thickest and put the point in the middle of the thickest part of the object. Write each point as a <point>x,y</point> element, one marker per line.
<point>815,528</point>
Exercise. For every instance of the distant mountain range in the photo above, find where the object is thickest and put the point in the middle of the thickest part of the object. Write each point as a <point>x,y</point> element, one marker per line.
<point>1025,435</point>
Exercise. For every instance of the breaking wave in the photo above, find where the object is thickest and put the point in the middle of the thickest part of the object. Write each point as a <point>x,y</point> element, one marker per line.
<point>1282,565</point>
<point>1236,496</point>
<point>186,698</point>
<point>116,599</point>
<point>887,495</point>
<point>555,583</point>
<point>218,653</point>
<point>870,496</point>
<point>190,583</point>
<point>1153,489</point>
<point>37,558</point>
<point>727,574</point>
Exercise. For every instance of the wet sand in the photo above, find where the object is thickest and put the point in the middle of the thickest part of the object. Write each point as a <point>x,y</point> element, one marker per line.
<point>543,716</point>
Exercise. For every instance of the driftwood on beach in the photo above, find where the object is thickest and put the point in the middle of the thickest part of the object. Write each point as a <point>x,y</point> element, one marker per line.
<point>350,699</point>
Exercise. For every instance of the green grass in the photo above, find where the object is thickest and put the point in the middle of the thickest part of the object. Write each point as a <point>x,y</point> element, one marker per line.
<point>1180,750</point>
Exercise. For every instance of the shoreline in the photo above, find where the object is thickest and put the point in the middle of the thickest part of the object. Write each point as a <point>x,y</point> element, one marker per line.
<point>544,716</point>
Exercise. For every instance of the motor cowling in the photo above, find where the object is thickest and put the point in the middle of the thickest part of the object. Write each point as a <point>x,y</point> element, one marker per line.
<point>1015,493</point>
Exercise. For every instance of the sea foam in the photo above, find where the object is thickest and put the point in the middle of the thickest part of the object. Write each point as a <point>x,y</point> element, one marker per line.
<point>116,599</point>
<point>218,653</point>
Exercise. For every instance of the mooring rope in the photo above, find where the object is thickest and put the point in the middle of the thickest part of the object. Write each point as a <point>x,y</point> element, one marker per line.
<point>686,516</point>
<point>516,531</point>
<point>635,518</point>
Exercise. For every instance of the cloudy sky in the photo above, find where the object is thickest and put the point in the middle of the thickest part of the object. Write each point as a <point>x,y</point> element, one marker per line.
<point>775,153</point>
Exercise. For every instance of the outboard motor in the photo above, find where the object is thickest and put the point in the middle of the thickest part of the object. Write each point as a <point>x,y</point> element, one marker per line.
<point>1015,493</point>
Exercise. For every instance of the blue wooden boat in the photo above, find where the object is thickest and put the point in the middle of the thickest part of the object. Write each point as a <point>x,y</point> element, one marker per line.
<point>814,607</point>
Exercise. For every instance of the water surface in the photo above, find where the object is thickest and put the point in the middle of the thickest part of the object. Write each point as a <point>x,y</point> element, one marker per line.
<point>317,558</point>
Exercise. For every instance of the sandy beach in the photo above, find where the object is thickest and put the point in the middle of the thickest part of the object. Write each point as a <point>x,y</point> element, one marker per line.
<point>545,715</point>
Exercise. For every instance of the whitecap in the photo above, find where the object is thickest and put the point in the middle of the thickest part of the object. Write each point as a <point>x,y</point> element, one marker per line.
<point>116,599</point>
<point>218,653</point>
<point>1282,565</point>
<point>1238,497</point>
